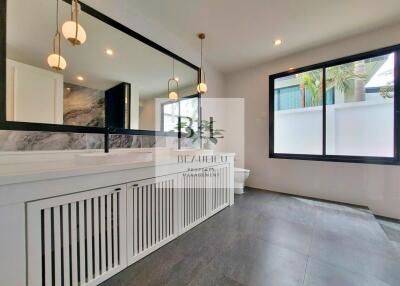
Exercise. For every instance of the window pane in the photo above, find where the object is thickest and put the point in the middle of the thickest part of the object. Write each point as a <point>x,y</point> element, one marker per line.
<point>170,119</point>
<point>190,112</point>
<point>298,113</point>
<point>360,108</point>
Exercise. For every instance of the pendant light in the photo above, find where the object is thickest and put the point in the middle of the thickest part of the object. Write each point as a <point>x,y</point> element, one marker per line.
<point>55,60</point>
<point>72,30</point>
<point>202,86</point>
<point>173,93</point>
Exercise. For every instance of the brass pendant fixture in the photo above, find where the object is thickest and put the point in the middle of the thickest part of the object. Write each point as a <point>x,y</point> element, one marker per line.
<point>202,86</point>
<point>72,30</point>
<point>55,60</point>
<point>173,92</point>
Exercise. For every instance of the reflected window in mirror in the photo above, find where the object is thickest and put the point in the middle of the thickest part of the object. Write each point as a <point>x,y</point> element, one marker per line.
<point>188,111</point>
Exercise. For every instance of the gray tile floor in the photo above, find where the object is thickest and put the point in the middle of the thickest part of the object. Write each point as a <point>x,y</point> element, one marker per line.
<point>392,230</point>
<point>273,239</point>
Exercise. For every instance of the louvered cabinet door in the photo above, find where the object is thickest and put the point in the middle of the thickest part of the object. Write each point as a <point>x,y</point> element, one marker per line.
<point>218,187</point>
<point>151,215</point>
<point>77,239</point>
<point>193,200</point>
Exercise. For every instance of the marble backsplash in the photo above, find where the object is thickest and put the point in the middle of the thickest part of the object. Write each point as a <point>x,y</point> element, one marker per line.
<point>40,141</point>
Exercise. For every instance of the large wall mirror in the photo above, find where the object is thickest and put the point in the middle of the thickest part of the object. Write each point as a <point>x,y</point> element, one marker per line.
<point>116,78</point>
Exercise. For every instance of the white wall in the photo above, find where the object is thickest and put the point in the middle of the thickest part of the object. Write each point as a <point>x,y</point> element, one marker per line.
<point>228,114</point>
<point>375,186</point>
<point>147,115</point>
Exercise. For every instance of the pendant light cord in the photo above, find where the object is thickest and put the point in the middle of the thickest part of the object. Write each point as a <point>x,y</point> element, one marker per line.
<point>201,54</point>
<point>74,16</point>
<point>202,73</point>
<point>57,38</point>
<point>57,16</point>
<point>173,79</point>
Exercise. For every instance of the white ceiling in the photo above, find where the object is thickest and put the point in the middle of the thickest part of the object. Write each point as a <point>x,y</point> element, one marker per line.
<point>240,33</point>
<point>31,27</point>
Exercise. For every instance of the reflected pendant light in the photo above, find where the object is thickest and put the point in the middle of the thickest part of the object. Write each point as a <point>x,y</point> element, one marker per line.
<point>55,60</point>
<point>173,92</point>
<point>72,30</point>
<point>202,86</point>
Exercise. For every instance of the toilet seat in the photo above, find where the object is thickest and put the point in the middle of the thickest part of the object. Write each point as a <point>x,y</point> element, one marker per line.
<point>240,170</point>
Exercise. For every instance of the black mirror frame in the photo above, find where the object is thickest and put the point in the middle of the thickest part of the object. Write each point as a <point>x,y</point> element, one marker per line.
<point>30,126</point>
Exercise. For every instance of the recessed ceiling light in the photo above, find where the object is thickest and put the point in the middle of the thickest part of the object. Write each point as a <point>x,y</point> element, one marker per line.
<point>109,52</point>
<point>278,42</point>
<point>80,78</point>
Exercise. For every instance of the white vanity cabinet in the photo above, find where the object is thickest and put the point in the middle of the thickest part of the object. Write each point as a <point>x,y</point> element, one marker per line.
<point>75,230</point>
<point>161,208</point>
<point>152,215</point>
<point>77,239</point>
<point>202,196</point>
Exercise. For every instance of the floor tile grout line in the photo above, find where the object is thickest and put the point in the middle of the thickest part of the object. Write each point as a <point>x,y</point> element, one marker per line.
<point>313,229</point>
<point>311,243</point>
<point>305,270</point>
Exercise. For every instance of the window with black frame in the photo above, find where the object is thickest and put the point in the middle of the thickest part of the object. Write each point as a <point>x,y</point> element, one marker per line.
<point>342,110</point>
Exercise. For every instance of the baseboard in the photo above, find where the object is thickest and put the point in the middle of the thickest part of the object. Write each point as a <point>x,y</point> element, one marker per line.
<point>315,199</point>
<point>389,219</point>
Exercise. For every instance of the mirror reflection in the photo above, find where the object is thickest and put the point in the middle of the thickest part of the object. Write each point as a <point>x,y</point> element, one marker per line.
<point>97,77</point>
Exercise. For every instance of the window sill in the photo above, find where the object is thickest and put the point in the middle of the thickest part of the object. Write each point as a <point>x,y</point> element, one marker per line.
<point>339,159</point>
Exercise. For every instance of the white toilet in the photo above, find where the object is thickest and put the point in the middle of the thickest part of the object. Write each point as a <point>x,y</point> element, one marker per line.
<point>241,176</point>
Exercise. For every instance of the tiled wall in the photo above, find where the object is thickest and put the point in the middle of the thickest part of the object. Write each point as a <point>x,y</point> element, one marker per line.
<point>35,141</point>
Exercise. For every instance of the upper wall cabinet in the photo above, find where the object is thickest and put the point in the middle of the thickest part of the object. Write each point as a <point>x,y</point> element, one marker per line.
<point>109,77</point>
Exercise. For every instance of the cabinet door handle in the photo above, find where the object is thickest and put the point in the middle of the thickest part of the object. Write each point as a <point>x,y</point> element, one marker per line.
<point>135,185</point>
<point>117,189</point>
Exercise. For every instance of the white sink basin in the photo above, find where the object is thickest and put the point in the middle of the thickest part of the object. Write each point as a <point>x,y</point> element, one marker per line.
<point>192,152</point>
<point>115,157</point>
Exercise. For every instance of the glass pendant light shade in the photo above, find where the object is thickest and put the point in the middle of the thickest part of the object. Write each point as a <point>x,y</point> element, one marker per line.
<point>173,95</point>
<point>57,62</point>
<point>72,30</point>
<point>74,33</point>
<point>202,87</point>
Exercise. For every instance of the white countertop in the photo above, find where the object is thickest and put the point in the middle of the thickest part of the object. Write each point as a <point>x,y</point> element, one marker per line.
<point>29,167</point>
